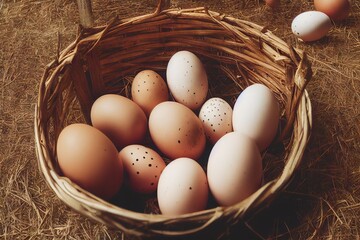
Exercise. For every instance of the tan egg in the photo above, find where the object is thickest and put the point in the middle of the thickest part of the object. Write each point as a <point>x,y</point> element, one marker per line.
<point>122,120</point>
<point>216,117</point>
<point>273,3</point>
<point>234,169</point>
<point>148,89</point>
<point>335,9</point>
<point>88,158</point>
<point>177,131</point>
<point>143,167</point>
<point>182,188</point>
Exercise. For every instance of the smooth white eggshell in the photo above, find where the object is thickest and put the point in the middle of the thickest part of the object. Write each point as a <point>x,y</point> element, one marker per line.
<point>234,169</point>
<point>256,114</point>
<point>187,79</point>
<point>311,25</point>
<point>182,187</point>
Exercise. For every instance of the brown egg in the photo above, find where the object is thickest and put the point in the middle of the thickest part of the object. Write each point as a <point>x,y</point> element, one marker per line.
<point>89,159</point>
<point>148,89</point>
<point>177,131</point>
<point>273,3</point>
<point>335,9</point>
<point>143,167</point>
<point>122,120</point>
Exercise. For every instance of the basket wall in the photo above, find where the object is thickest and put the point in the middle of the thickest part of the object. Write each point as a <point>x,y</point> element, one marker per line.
<point>236,54</point>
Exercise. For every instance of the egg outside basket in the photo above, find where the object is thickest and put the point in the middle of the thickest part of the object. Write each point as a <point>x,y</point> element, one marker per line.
<point>101,60</point>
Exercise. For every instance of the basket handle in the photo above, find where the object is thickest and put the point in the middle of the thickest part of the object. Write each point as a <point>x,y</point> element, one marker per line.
<point>162,4</point>
<point>86,14</point>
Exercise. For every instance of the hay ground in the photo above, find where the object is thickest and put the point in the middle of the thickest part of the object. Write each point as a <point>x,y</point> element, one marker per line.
<point>323,201</point>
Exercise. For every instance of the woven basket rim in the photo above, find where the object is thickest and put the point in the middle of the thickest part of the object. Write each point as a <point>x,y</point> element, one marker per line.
<point>99,209</point>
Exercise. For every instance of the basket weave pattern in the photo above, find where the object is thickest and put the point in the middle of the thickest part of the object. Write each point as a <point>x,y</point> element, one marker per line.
<point>101,60</point>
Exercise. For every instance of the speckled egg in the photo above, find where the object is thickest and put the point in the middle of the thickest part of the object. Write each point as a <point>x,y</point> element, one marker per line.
<point>149,89</point>
<point>216,117</point>
<point>187,79</point>
<point>143,167</point>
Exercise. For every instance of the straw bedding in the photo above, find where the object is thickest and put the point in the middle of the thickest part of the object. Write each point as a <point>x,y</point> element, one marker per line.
<point>321,202</point>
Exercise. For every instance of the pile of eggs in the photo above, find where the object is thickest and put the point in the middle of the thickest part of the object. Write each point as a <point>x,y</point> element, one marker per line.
<point>313,25</point>
<point>128,140</point>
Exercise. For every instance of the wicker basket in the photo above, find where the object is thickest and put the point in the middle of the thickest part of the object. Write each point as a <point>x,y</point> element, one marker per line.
<point>103,60</point>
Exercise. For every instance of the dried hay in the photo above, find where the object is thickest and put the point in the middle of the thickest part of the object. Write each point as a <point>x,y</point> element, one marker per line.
<point>323,201</point>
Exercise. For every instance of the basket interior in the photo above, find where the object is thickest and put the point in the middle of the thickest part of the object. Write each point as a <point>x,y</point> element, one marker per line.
<point>235,53</point>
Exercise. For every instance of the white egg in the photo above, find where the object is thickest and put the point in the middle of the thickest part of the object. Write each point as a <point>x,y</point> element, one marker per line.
<point>216,117</point>
<point>234,169</point>
<point>187,79</point>
<point>182,187</point>
<point>256,114</point>
<point>311,25</point>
